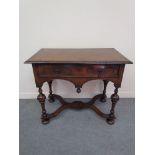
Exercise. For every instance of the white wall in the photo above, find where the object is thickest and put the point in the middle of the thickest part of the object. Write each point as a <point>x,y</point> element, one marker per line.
<point>76,24</point>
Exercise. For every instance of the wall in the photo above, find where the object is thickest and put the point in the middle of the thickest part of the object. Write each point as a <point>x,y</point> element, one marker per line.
<point>76,24</point>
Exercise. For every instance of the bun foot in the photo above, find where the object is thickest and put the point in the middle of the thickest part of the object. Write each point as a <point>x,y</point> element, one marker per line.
<point>103,99</point>
<point>110,121</point>
<point>45,120</point>
<point>51,99</point>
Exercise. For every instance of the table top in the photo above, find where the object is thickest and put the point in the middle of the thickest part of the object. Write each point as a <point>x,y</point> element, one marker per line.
<point>80,56</point>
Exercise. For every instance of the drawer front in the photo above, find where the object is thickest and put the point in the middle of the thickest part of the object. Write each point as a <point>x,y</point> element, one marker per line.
<point>52,70</point>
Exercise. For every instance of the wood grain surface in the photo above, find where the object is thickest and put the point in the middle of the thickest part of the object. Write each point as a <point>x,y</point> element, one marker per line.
<point>79,56</point>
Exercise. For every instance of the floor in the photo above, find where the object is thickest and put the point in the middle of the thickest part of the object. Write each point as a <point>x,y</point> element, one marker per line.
<point>76,132</point>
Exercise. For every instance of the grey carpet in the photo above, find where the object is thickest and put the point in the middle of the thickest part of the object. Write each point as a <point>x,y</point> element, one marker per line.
<point>76,132</point>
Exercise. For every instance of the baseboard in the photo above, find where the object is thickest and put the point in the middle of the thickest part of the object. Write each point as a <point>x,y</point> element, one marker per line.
<point>122,94</point>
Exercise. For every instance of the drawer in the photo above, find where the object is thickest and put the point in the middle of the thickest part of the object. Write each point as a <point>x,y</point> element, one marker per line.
<point>107,70</point>
<point>77,70</point>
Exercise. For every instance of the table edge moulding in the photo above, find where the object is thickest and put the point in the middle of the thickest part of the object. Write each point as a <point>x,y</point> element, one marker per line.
<point>78,66</point>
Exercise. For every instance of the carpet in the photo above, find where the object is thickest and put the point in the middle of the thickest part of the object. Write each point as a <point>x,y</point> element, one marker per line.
<point>76,132</point>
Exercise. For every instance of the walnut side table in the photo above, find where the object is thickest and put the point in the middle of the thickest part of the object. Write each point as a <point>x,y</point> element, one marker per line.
<point>78,66</point>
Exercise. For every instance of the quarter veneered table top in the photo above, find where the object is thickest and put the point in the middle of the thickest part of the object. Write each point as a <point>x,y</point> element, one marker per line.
<point>81,56</point>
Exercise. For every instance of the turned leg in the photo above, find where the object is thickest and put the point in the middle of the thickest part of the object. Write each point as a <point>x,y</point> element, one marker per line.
<point>50,96</point>
<point>114,99</point>
<point>41,98</point>
<point>104,96</point>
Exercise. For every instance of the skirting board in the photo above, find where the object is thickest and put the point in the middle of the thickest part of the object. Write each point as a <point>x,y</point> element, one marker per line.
<point>123,94</point>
